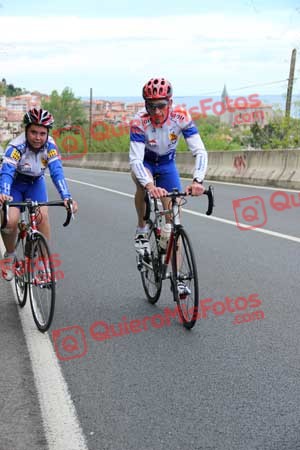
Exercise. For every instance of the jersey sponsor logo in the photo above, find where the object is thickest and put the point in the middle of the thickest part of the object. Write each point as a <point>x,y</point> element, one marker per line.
<point>52,153</point>
<point>26,167</point>
<point>15,155</point>
<point>152,142</point>
<point>146,121</point>
<point>173,137</point>
<point>44,162</point>
<point>63,186</point>
<point>177,116</point>
<point>6,188</point>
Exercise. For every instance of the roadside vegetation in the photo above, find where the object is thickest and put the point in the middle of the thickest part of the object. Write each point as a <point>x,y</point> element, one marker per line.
<point>72,129</point>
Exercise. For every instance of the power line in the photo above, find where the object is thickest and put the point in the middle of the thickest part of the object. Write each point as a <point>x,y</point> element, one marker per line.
<point>261,84</point>
<point>246,87</point>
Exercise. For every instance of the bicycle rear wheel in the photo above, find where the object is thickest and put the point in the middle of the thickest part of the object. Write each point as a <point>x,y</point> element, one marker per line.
<point>185,279</point>
<point>151,269</point>
<point>20,272</point>
<point>42,283</point>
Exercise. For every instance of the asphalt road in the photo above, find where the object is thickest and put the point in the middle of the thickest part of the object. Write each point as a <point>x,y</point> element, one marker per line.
<point>229,384</point>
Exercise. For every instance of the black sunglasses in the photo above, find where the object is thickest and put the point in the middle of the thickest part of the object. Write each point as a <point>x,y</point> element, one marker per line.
<point>153,106</point>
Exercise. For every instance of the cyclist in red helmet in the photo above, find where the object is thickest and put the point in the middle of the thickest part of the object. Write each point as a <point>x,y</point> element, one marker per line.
<point>154,137</point>
<point>22,175</point>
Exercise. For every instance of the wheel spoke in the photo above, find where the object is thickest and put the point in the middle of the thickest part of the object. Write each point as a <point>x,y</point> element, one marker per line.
<point>185,280</point>
<point>20,272</point>
<point>42,284</point>
<point>151,271</point>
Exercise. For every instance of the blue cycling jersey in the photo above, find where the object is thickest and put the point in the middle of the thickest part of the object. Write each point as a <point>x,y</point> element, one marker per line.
<point>22,164</point>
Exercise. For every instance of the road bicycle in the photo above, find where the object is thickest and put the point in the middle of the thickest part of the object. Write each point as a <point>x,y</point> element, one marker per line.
<point>178,256</point>
<point>33,265</point>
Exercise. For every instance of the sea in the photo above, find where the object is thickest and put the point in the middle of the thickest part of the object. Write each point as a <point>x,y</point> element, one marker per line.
<point>277,101</point>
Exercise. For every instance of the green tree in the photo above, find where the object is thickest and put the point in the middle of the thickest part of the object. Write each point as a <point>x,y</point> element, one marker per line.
<point>10,90</point>
<point>279,133</point>
<point>66,108</point>
<point>2,86</point>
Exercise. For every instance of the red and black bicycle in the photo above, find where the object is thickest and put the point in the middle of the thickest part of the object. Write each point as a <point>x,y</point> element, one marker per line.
<point>177,262</point>
<point>33,266</point>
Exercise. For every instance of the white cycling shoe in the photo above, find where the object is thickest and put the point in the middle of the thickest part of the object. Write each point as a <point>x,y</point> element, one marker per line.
<point>183,290</point>
<point>141,243</point>
<point>7,267</point>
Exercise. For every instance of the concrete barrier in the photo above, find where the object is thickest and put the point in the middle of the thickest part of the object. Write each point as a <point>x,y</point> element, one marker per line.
<point>279,168</point>
<point>110,161</point>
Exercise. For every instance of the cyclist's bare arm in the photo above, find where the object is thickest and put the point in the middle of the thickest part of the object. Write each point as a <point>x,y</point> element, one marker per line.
<point>154,191</point>
<point>195,189</point>
<point>4,197</point>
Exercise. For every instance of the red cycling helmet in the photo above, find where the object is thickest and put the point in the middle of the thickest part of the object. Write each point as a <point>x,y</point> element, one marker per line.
<point>157,88</point>
<point>38,117</point>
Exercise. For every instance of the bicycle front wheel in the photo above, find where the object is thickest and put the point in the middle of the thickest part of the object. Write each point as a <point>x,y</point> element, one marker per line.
<point>42,283</point>
<point>151,269</point>
<point>185,279</point>
<point>20,272</point>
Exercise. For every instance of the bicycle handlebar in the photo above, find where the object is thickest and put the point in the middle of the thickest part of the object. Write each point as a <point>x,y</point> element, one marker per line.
<point>175,193</point>
<point>32,204</point>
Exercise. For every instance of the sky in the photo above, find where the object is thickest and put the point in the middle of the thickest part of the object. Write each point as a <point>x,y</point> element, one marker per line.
<point>115,46</point>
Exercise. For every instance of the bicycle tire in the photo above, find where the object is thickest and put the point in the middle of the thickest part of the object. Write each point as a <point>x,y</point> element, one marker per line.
<point>152,279</point>
<point>184,270</point>
<point>42,283</point>
<point>20,270</point>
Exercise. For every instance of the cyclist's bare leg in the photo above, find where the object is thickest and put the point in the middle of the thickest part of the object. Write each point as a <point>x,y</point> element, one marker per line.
<point>9,235</point>
<point>44,225</point>
<point>166,202</point>
<point>139,200</point>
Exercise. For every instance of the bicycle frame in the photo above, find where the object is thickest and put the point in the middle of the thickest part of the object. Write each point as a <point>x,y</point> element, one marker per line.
<point>27,227</point>
<point>174,213</point>
<point>175,222</point>
<point>154,259</point>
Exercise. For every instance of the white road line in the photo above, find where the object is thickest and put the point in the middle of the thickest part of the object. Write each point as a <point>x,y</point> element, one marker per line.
<point>195,213</point>
<point>207,180</point>
<point>61,424</point>
<point>258,230</point>
<point>267,188</point>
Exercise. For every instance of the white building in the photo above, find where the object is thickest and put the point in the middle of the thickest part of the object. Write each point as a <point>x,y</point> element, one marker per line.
<point>245,111</point>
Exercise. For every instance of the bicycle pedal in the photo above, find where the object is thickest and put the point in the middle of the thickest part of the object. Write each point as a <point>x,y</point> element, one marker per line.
<point>147,258</point>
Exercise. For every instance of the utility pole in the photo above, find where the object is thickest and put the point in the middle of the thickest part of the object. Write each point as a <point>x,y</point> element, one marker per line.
<point>290,85</point>
<point>90,121</point>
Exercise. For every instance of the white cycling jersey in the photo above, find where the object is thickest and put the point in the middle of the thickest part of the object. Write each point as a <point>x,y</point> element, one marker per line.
<point>158,143</point>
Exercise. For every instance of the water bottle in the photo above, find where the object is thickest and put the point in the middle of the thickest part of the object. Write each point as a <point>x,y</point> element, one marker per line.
<point>165,235</point>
